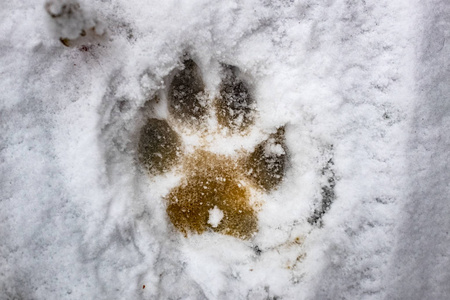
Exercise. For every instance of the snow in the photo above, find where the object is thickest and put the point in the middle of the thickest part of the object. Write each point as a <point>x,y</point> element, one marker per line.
<point>273,148</point>
<point>362,87</point>
<point>215,216</point>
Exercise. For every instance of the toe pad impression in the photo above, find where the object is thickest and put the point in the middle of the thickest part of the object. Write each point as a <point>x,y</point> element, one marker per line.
<point>235,106</point>
<point>159,146</point>
<point>186,94</point>
<point>267,163</point>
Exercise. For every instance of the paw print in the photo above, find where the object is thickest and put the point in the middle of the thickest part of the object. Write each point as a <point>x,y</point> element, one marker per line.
<point>217,192</point>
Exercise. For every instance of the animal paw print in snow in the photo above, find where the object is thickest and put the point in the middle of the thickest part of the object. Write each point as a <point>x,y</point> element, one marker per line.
<point>217,191</point>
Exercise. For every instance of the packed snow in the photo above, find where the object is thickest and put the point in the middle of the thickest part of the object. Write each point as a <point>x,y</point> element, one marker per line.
<point>215,216</point>
<point>362,88</point>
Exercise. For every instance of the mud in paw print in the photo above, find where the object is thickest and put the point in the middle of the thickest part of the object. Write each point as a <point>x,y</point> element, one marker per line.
<point>218,192</point>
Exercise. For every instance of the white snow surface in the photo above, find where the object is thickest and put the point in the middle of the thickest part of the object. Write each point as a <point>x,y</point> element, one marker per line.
<point>362,86</point>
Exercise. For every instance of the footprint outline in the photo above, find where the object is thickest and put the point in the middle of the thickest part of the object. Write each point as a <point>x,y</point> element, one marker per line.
<point>212,180</point>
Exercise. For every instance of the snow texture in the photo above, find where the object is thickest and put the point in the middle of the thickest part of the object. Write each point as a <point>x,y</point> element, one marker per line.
<point>215,216</point>
<point>362,87</point>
